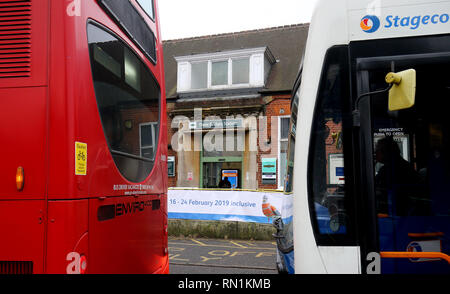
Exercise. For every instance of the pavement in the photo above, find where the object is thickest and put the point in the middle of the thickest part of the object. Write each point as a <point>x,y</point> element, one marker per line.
<point>221,256</point>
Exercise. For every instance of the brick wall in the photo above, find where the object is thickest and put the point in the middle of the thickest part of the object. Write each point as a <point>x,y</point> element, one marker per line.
<point>279,106</point>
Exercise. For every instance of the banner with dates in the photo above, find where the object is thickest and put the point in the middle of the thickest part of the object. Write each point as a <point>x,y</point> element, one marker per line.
<point>243,206</point>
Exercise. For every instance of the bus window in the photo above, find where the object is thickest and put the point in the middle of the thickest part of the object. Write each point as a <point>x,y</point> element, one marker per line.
<point>328,201</point>
<point>408,145</point>
<point>128,100</point>
<point>126,15</point>
<point>147,6</point>
<point>410,149</point>
<point>412,167</point>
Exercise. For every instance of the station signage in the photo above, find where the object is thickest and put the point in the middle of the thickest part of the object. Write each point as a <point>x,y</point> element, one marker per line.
<point>216,124</point>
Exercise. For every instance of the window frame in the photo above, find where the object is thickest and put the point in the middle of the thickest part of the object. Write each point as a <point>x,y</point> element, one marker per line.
<point>281,180</point>
<point>210,74</point>
<point>154,137</point>
<point>120,22</point>
<point>295,98</point>
<point>229,83</point>
<point>231,70</point>
<point>91,22</point>
<point>207,74</point>
<point>259,60</point>
<point>349,238</point>
<point>152,17</point>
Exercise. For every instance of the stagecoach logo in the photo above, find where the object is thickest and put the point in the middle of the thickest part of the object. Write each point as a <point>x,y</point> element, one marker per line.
<point>370,23</point>
<point>414,247</point>
<point>424,246</point>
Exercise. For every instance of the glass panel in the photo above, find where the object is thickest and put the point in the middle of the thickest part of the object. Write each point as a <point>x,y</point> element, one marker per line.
<point>283,160</point>
<point>284,127</point>
<point>291,148</point>
<point>199,75</point>
<point>219,73</point>
<point>132,73</point>
<point>211,174</point>
<point>147,135</point>
<point>171,166</point>
<point>241,71</point>
<point>412,169</point>
<point>147,6</point>
<point>326,157</point>
<point>107,61</point>
<point>127,95</point>
<point>127,16</point>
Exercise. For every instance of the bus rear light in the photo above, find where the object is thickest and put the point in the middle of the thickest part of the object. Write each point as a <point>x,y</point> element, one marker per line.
<point>20,180</point>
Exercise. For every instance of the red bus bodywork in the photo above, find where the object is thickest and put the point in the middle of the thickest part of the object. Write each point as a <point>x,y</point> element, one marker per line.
<point>47,104</point>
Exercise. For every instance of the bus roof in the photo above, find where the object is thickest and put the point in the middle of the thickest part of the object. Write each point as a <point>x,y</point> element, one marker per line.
<point>379,19</point>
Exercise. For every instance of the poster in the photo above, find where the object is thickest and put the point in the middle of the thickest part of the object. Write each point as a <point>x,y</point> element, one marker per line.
<point>233,177</point>
<point>269,170</point>
<point>171,166</point>
<point>336,169</point>
<point>243,206</point>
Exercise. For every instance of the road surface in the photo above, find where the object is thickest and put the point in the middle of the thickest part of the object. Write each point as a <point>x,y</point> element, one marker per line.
<point>215,256</point>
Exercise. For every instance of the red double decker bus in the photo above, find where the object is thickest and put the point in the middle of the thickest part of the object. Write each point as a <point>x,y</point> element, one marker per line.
<point>83,147</point>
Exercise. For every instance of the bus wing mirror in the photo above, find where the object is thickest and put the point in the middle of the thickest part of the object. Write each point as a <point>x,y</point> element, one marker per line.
<point>402,95</point>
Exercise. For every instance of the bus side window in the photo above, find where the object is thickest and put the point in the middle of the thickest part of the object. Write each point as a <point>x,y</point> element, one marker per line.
<point>326,181</point>
<point>128,100</point>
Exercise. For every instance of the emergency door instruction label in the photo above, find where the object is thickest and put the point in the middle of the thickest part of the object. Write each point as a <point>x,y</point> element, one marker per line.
<point>80,159</point>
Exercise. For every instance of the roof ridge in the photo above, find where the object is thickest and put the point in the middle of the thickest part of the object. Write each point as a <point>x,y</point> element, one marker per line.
<point>237,33</point>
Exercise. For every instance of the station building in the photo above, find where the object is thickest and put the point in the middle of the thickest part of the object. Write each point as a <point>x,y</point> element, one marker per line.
<point>228,104</point>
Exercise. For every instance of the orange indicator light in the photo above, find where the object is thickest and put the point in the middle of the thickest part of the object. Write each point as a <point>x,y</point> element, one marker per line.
<point>19,178</point>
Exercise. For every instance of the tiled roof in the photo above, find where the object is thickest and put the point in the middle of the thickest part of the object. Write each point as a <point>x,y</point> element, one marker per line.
<point>286,43</point>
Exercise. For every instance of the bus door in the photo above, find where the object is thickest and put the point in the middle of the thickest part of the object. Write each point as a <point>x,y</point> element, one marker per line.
<point>410,168</point>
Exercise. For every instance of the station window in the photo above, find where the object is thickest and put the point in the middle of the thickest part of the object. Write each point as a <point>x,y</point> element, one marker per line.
<point>128,97</point>
<point>219,73</point>
<point>224,70</point>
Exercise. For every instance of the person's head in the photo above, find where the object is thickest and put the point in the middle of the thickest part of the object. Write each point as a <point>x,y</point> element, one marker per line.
<point>386,149</point>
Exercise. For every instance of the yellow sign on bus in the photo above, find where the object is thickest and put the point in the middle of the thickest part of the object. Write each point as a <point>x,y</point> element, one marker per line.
<point>80,159</point>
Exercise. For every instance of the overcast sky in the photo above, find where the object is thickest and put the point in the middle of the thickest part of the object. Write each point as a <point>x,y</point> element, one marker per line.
<point>192,18</point>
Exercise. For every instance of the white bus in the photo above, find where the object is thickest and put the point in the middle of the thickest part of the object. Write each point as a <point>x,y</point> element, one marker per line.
<point>371,171</point>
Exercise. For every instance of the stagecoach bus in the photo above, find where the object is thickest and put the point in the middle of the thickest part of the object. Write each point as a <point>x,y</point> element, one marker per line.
<point>371,139</point>
<point>83,141</point>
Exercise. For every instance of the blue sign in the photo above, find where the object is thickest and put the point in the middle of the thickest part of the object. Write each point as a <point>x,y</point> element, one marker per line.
<point>232,175</point>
